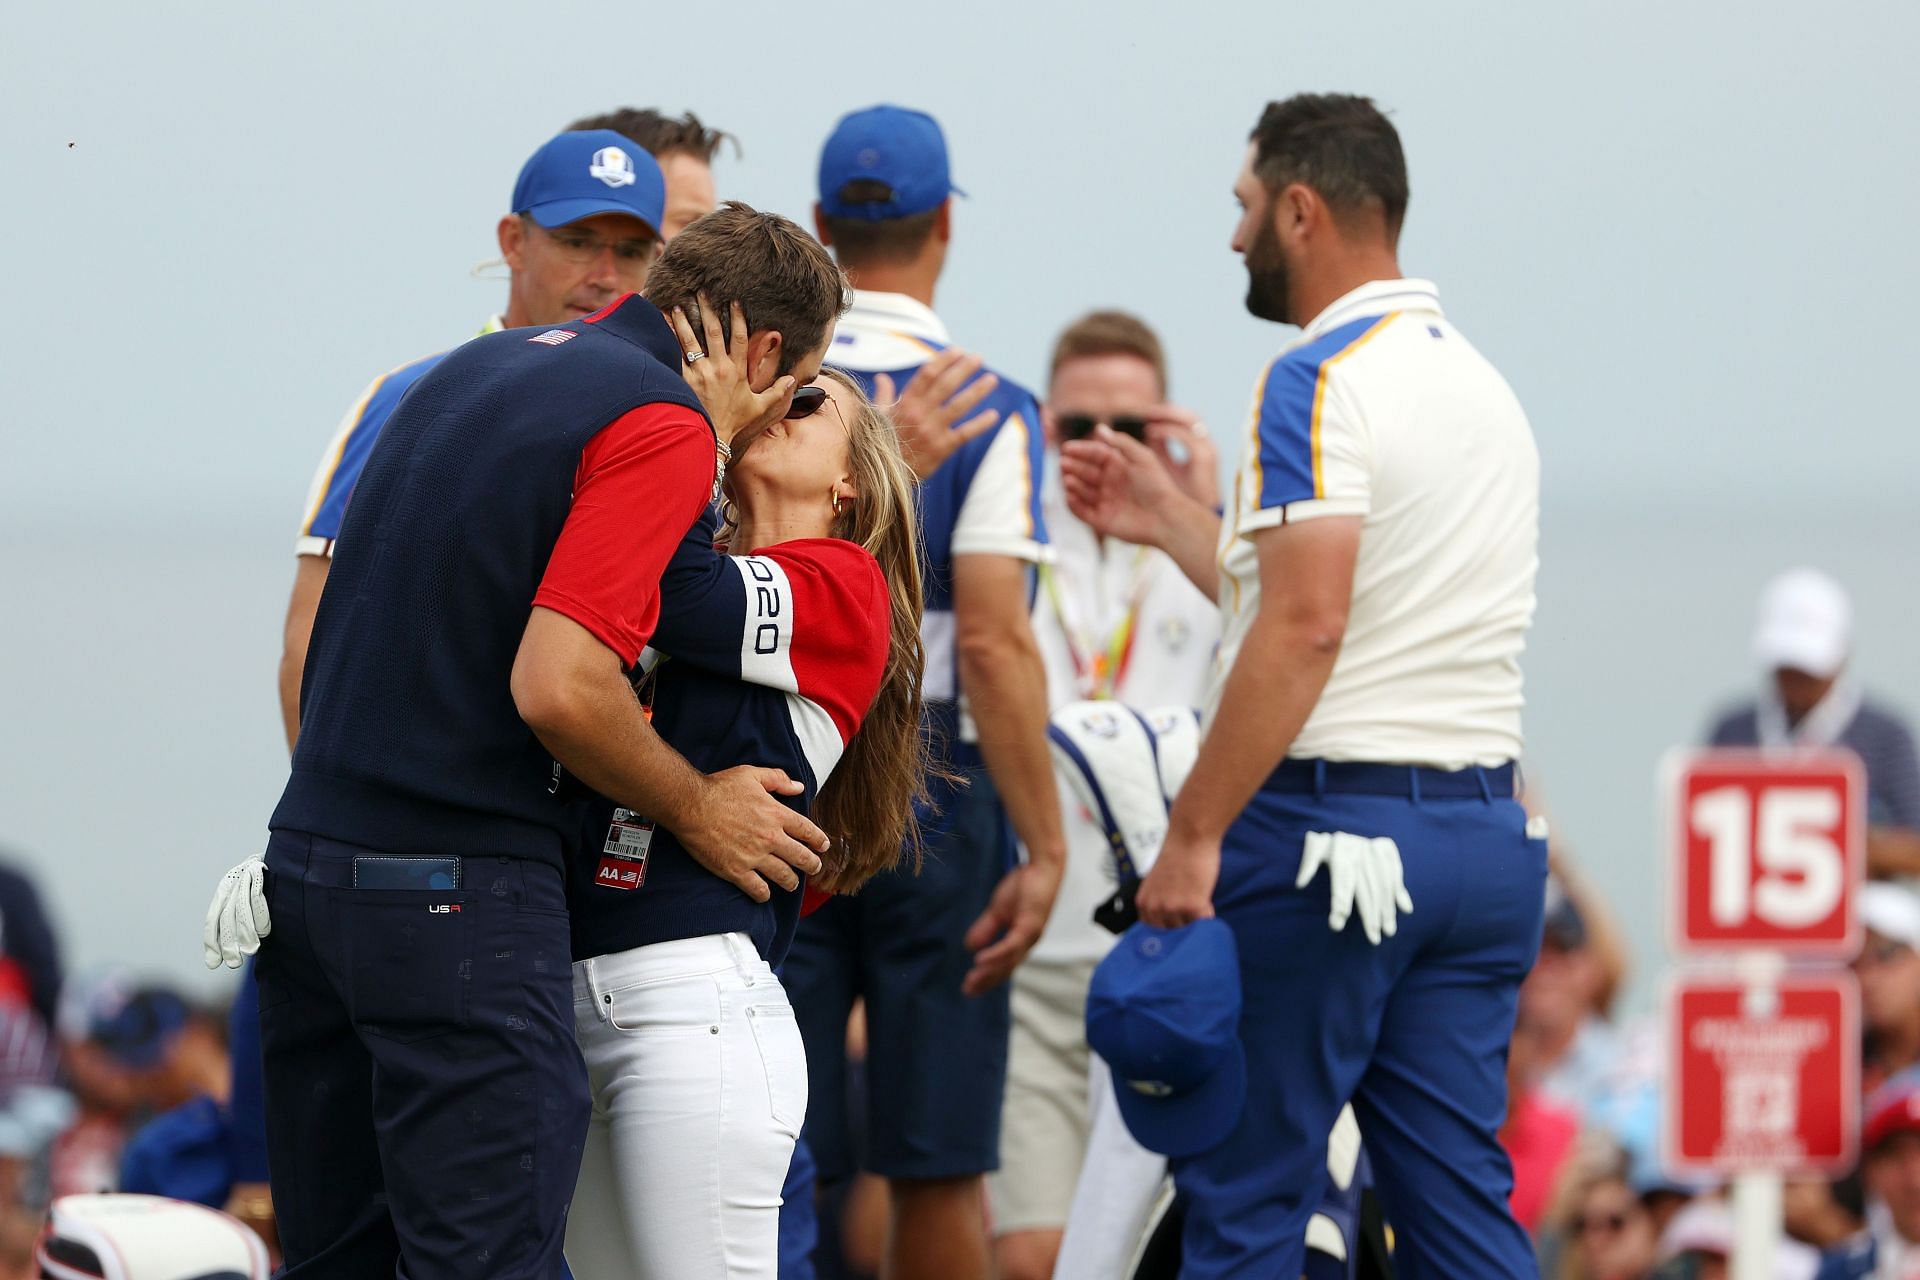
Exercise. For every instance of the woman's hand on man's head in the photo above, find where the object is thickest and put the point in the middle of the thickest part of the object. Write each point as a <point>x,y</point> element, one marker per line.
<point>716,369</point>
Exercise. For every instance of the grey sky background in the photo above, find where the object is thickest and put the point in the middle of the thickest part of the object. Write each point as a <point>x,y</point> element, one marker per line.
<point>1683,232</point>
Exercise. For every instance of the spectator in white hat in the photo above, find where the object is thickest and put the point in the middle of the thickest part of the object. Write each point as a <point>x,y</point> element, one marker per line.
<point>1889,972</point>
<point>1809,699</point>
<point>1698,1245</point>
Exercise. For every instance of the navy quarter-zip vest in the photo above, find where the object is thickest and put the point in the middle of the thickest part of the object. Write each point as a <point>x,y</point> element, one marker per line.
<point>409,738</point>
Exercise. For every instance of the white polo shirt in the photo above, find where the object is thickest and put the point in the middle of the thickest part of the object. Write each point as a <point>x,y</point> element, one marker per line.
<point>1383,410</point>
<point>982,501</point>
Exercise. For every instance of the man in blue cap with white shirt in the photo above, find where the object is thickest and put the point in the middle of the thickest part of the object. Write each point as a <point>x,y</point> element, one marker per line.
<point>931,953</point>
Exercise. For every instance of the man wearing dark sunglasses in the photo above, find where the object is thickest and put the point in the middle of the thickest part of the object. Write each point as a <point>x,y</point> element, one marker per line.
<point>1120,383</point>
<point>1113,621</point>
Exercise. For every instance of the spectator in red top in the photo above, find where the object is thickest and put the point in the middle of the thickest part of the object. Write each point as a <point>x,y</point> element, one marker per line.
<point>1539,1133</point>
<point>1890,1247</point>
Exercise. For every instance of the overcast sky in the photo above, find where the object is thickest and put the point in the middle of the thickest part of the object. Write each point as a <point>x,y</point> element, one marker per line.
<point>1683,231</point>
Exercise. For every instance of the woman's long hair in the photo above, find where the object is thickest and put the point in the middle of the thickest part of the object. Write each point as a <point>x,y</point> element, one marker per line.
<point>868,803</point>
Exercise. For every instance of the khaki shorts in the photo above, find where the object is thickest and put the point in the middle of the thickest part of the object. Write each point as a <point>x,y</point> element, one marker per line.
<point>1045,1120</point>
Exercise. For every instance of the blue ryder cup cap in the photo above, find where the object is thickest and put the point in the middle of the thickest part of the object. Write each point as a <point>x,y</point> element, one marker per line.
<point>1164,1014</point>
<point>901,149</point>
<point>588,172</point>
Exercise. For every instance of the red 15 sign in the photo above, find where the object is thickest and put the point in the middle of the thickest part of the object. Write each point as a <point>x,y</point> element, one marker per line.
<point>1768,850</point>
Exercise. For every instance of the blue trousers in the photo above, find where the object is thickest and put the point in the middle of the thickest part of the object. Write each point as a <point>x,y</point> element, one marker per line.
<point>799,1221</point>
<point>1414,1031</point>
<point>936,1059</point>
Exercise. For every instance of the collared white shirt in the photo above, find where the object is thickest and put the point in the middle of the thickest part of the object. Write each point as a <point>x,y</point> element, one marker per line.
<point>1114,620</point>
<point>892,333</point>
<point>982,501</point>
<point>1383,410</point>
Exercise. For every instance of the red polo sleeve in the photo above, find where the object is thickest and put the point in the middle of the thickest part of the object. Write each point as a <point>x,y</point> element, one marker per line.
<point>642,481</point>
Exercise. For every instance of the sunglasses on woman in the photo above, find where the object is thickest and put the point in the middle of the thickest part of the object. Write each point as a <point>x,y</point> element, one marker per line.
<point>1077,426</point>
<point>806,403</point>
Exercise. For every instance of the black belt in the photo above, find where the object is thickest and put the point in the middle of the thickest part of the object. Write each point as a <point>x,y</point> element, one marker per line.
<point>1415,782</point>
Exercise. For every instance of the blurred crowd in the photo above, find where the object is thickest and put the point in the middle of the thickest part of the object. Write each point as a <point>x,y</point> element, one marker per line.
<point>1584,1126</point>
<point>106,1082</point>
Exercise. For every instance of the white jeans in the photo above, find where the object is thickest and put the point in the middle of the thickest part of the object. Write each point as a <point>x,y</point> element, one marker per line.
<point>699,1086</point>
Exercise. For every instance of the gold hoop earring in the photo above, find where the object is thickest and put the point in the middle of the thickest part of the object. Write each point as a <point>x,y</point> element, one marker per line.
<point>838,503</point>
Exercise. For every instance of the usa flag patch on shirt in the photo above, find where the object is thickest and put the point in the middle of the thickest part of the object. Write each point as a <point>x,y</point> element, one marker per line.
<point>553,337</point>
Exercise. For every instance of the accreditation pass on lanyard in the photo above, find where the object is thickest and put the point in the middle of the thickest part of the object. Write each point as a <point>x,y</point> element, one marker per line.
<point>623,859</point>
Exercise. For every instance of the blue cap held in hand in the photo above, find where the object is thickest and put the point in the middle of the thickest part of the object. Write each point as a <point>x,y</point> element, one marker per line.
<point>901,150</point>
<point>1164,1014</point>
<point>587,172</point>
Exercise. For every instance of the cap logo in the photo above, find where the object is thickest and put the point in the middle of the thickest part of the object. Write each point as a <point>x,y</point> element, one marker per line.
<point>1151,1088</point>
<point>868,158</point>
<point>612,166</point>
<point>1150,946</point>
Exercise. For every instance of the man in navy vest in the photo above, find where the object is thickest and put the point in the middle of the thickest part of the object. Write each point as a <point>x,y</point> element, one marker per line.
<point>496,578</point>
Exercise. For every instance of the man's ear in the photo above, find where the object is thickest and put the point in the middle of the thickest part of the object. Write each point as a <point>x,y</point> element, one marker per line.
<point>764,350</point>
<point>1050,426</point>
<point>943,221</point>
<point>820,230</point>
<point>512,234</point>
<point>1297,211</point>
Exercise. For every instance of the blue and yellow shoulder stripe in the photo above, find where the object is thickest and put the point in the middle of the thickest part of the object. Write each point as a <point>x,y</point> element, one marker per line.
<point>347,456</point>
<point>1285,447</point>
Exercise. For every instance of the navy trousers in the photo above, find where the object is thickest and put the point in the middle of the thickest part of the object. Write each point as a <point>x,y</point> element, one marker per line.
<point>936,1058</point>
<point>1414,1031</point>
<point>426,1099</point>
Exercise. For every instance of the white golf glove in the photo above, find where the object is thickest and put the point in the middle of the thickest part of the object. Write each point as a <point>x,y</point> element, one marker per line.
<point>237,917</point>
<point>1365,876</point>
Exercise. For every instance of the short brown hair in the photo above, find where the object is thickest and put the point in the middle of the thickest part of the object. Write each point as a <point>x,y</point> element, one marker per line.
<point>1341,146</point>
<point>660,135</point>
<point>779,275</point>
<point>861,242</point>
<point>1110,333</point>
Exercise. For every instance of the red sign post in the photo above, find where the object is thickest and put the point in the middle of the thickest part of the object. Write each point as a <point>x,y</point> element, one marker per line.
<point>1766,1081</point>
<point>1769,852</point>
